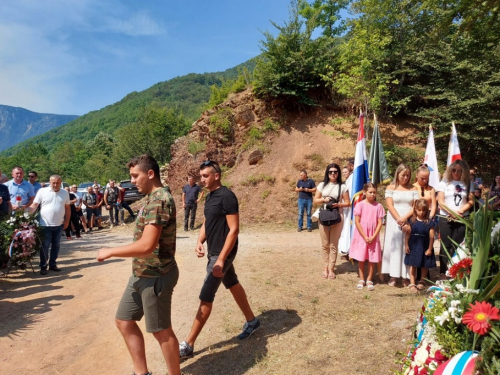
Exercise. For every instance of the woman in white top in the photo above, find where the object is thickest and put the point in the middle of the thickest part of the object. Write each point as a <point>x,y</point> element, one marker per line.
<point>455,197</point>
<point>399,197</point>
<point>331,188</point>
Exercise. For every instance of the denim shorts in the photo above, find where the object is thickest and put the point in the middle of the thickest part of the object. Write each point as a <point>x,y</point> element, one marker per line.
<point>150,297</point>
<point>212,283</point>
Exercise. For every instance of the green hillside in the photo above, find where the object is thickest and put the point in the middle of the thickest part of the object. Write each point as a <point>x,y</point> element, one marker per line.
<point>187,94</point>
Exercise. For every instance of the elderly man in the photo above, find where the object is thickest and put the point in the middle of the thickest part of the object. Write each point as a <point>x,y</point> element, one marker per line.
<point>55,214</point>
<point>21,191</point>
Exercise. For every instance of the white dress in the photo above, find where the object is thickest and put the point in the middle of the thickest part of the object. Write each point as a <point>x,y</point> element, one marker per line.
<point>394,245</point>
<point>345,237</point>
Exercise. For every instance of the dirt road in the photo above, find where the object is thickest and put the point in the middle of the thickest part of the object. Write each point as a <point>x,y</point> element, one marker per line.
<point>63,323</point>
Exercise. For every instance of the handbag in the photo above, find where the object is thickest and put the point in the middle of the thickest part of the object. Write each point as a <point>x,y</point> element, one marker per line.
<point>329,217</point>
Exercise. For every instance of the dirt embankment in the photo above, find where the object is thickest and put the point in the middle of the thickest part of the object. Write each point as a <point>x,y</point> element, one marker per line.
<point>290,141</point>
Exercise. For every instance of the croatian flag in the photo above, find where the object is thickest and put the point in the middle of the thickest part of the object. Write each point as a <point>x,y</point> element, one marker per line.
<point>431,160</point>
<point>360,173</point>
<point>453,149</point>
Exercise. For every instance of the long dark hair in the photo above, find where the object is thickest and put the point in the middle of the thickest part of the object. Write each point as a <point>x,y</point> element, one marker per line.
<point>326,179</point>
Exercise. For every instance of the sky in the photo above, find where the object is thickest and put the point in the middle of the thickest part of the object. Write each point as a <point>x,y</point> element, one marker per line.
<point>76,56</point>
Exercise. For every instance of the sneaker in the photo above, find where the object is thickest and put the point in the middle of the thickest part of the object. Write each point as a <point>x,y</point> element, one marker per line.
<point>249,328</point>
<point>299,229</point>
<point>185,350</point>
<point>309,229</point>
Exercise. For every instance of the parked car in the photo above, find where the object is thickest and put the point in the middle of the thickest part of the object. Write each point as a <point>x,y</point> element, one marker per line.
<point>131,192</point>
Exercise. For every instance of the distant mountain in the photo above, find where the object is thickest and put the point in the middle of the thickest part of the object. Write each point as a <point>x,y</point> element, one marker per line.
<point>188,93</point>
<point>19,124</point>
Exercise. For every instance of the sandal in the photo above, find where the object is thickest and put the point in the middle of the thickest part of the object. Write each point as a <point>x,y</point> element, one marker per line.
<point>331,275</point>
<point>369,285</point>
<point>413,288</point>
<point>392,282</point>
<point>324,275</point>
<point>360,285</point>
<point>406,283</point>
<point>421,285</point>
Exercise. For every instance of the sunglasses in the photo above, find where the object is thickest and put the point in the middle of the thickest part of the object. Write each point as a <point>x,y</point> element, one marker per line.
<point>210,163</point>
<point>333,172</point>
<point>31,176</point>
<point>455,170</point>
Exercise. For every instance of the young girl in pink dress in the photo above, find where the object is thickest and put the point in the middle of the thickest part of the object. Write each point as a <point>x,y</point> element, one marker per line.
<point>365,245</point>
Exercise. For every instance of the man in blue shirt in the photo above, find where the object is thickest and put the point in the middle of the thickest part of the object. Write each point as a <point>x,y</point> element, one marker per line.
<point>306,188</point>
<point>21,191</point>
<point>32,179</point>
<point>190,198</point>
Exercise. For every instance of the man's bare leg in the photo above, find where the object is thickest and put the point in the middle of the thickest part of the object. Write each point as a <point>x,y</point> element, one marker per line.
<point>135,343</point>
<point>170,349</point>
<point>201,318</point>
<point>240,297</point>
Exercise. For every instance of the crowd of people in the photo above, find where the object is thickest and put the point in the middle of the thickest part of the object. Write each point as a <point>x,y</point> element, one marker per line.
<point>61,210</point>
<point>416,212</point>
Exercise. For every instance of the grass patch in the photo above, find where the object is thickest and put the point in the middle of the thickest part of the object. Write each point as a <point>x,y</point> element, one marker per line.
<point>336,134</point>
<point>266,193</point>
<point>195,148</point>
<point>222,122</point>
<point>254,180</point>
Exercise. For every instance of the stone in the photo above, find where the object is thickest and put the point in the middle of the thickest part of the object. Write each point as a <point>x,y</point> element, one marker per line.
<point>255,156</point>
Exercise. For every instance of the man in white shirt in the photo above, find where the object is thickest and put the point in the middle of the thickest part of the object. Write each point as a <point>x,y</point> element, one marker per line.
<point>55,214</point>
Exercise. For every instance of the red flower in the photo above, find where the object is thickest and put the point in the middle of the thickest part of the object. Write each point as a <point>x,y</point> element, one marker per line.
<point>461,268</point>
<point>439,357</point>
<point>478,317</point>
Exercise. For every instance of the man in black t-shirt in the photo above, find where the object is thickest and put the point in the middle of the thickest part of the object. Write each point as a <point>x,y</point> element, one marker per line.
<point>220,229</point>
<point>305,187</point>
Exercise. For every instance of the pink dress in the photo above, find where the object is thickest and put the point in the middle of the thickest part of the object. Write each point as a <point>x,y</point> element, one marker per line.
<point>369,215</point>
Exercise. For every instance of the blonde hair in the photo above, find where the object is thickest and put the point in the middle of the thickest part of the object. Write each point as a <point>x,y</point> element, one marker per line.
<point>419,205</point>
<point>465,178</point>
<point>401,168</point>
<point>422,168</point>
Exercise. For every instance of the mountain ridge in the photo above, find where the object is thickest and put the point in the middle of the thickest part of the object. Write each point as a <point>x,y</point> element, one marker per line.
<point>18,123</point>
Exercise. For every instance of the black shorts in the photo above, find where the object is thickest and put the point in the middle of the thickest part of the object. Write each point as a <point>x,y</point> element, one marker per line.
<point>212,283</point>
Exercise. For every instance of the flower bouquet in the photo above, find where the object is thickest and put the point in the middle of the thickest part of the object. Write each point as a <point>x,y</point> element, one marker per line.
<point>21,238</point>
<point>458,330</point>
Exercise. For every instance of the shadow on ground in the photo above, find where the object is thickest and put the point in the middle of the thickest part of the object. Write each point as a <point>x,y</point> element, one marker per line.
<point>237,357</point>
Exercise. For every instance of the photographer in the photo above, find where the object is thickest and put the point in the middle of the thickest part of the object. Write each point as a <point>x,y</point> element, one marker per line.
<point>333,195</point>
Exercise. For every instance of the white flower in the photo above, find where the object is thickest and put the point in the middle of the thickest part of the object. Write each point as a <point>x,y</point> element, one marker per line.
<point>455,303</point>
<point>35,221</point>
<point>433,365</point>
<point>26,215</point>
<point>444,317</point>
<point>460,288</point>
<point>458,319</point>
<point>421,355</point>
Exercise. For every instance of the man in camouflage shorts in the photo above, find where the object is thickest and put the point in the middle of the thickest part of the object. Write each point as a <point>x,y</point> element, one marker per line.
<point>155,273</point>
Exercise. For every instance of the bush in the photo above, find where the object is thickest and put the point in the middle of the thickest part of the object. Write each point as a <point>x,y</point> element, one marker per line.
<point>222,122</point>
<point>195,148</point>
<point>257,179</point>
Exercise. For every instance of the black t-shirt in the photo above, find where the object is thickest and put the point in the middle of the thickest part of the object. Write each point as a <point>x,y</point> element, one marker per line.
<point>72,197</point>
<point>219,203</point>
<point>191,192</point>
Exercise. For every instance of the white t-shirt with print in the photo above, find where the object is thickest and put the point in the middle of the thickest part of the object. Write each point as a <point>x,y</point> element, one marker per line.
<point>455,195</point>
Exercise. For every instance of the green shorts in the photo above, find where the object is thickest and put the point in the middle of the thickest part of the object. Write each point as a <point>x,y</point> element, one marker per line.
<point>150,297</point>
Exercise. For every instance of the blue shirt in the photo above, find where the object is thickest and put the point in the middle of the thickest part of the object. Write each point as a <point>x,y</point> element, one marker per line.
<point>36,186</point>
<point>308,184</point>
<point>24,189</point>
<point>191,193</point>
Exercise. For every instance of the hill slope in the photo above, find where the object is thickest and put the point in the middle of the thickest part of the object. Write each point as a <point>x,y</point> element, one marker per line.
<point>19,124</point>
<point>187,93</point>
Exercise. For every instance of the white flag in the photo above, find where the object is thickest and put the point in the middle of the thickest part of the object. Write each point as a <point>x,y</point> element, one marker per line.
<point>453,149</point>
<point>431,160</point>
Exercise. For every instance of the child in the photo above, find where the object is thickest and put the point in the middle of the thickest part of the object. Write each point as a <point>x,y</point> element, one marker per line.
<point>365,245</point>
<point>419,244</point>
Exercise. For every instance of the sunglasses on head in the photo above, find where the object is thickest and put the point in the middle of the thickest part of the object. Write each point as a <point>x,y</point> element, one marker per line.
<point>210,163</point>
<point>424,165</point>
